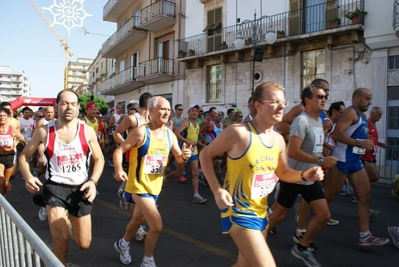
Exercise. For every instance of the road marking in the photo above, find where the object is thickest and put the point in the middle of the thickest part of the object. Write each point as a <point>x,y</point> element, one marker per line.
<point>185,238</point>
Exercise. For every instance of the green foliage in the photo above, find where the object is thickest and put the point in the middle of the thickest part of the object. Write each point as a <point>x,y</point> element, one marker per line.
<point>100,103</point>
<point>356,13</point>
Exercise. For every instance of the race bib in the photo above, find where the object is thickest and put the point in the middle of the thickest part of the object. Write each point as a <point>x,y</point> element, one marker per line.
<point>318,139</point>
<point>263,184</point>
<point>70,163</point>
<point>154,164</point>
<point>375,150</point>
<point>358,150</point>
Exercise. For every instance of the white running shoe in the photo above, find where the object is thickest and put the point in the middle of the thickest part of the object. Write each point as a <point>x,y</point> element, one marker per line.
<point>42,214</point>
<point>147,263</point>
<point>141,233</point>
<point>124,253</point>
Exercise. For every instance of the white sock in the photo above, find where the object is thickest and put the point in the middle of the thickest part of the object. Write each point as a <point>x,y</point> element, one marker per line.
<point>196,195</point>
<point>364,234</point>
<point>300,231</point>
<point>124,243</point>
<point>148,259</point>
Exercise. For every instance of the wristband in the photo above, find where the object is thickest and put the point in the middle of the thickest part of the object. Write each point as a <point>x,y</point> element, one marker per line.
<point>302,177</point>
<point>94,182</point>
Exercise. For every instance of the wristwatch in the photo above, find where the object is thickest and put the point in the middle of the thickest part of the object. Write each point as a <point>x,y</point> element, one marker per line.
<point>320,161</point>
<point>358,143</point>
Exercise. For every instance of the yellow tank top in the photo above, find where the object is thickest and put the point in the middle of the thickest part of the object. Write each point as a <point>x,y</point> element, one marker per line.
<point>250,177</point>
<point>191,134</point>
<point>93,125</point>
<point>148,163</point>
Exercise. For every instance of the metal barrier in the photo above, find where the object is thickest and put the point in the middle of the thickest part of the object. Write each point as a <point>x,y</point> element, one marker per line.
<point>388,163</point>
<point>19,244</point>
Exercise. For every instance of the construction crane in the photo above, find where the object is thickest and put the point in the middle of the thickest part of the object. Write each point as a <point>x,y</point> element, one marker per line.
<point>67,52</point>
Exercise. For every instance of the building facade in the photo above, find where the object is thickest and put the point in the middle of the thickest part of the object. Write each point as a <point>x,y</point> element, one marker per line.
<point>13,84</point>
<point>77,78</point>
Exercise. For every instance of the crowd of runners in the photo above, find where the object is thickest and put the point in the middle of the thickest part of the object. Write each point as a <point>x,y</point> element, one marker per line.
<point>313,151</point>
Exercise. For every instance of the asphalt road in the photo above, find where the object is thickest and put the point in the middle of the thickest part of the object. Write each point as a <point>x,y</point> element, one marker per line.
<point>192,232</point>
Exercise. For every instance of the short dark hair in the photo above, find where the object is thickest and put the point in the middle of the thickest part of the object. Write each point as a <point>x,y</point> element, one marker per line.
<point>144,99</point>
<point>178,105</point>
<point>25,109</point>
<point>3,104</point>
<point>212,108</point>
<point>6,110</point>
<point>230,110</point>
<point>318,83</point>
<point>335,106</point>
<point>57,100</point>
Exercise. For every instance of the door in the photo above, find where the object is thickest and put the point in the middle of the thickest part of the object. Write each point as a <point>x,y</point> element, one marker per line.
<point>392,151</point>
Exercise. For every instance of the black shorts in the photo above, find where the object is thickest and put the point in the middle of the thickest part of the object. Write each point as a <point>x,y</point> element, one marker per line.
<point>289,192</point>
<point>20,147</point>
<point>8,160</point>
<point>68,197</point>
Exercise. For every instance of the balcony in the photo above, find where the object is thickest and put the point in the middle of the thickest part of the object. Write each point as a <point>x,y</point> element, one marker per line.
<point>156,70</point>
<point>113,9</point>
<point>157,16</point>
<point>396,17</point>
<point>311,24</point>
<point>127,35</point>
<point>121,83</point>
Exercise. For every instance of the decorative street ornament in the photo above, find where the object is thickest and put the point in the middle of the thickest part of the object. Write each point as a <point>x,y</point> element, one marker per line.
<point>68,13</point>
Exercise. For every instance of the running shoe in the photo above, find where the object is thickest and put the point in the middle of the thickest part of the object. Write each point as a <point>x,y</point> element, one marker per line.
<point>9,187</point>
<point>42,214</point>
<point>181,179</point>
<point>273,231</point>
<point>148,263</point>
<point>110,163</point>
<point>344,191</point>
<point>124,254</point>
<point>354,199</point>
<point>305,255</point>
<point>297,239</point>
<point>372,241</point>
<point>141,233</point>
<point>202,180</point>
<point>332,222</point>
<point>394,232</point>
<point>122,201</point>
<point>296,217</point>
<point>374,213</point>
<point>198,199</point>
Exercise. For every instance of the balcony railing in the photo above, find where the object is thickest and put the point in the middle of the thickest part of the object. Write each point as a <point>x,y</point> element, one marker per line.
<point>156,66</point>
<point>121,82</point>
<point>396,13</point>
<point>126,30</point>
<point>292,23</point>
<point>159,8</point>
<point>113,9</point>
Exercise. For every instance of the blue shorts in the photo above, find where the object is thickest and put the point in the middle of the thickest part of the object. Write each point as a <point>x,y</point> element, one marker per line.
<point>349,167</point>
<point>128,197</point>
<point>192,158</point>
<point>249,223</point>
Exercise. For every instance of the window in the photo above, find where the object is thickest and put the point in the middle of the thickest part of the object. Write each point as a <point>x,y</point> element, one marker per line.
<point>214,29</point>
<point>393,62</point>
<point>313,66</point>
<point>214,80</point>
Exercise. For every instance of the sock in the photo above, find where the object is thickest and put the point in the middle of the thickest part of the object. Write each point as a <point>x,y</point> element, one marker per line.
<point>270,211</point>
<point>148,259</point>
<point>124,243</point>
<point>196,195</point>
<point>302,248</point>
<point>364,234</point>
<point>300,231</point>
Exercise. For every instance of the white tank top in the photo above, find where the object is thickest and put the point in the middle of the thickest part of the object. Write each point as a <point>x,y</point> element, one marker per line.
<point>67,163</point>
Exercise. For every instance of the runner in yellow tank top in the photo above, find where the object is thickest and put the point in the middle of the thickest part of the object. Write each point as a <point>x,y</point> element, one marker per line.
<point>260,152</point>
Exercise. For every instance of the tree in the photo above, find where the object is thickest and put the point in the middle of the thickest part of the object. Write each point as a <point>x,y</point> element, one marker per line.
<point>100,103</point>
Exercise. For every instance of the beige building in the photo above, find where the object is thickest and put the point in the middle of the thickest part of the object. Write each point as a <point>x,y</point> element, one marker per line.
<point>78,75</point>
<point>13,84</point>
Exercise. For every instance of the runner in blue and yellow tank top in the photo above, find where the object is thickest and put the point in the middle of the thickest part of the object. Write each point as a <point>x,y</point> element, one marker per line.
<point>150,145</point>
<point>255,152</point>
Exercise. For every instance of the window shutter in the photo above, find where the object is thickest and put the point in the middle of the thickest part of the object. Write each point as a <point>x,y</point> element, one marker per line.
<point>295,21</point>
<point>331,12</point>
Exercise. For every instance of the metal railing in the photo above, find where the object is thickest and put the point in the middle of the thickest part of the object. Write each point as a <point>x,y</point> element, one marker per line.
<point>395,13</point>
<point>155,66</point>
<point>108,6</point>
<point>123,31</point>
<point>292,23</point>
<point>20,245</point>
<point>159,8</point>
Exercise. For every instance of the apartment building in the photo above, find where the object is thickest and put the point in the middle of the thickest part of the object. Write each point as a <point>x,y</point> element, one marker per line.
<point>144,49</point>
<point>77,78</point>
<point>13,84</point>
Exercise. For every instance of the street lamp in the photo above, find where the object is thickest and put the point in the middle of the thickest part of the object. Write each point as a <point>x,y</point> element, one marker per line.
<point>270,38</point>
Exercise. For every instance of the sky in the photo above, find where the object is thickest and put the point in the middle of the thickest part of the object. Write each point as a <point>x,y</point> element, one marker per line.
<point>28,45</point>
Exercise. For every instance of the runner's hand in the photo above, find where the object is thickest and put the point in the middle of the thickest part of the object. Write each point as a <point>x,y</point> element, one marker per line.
<point>90,190</point>
<point>223,199</point>
<point>32,185</point>
<point>120,176</point>
<point>329,161</point>
<point>186,151</point>
<point>314,174</point>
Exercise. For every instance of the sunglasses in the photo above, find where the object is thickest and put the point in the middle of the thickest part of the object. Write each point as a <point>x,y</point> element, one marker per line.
<point>240,116</point>
<point>180,109</point>
<point>321,96</point>
<point>200,111</point>
<point>40,116</point>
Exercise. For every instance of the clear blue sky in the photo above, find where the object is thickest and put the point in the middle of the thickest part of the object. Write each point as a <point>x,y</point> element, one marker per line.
<point>28,44</point>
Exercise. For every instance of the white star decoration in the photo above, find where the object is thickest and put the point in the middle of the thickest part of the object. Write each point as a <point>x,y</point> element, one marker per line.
<point>68,13</point>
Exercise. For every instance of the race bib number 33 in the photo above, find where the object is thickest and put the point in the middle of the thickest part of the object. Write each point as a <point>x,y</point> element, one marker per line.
<point>154,164</point>
<point>263,184</point>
